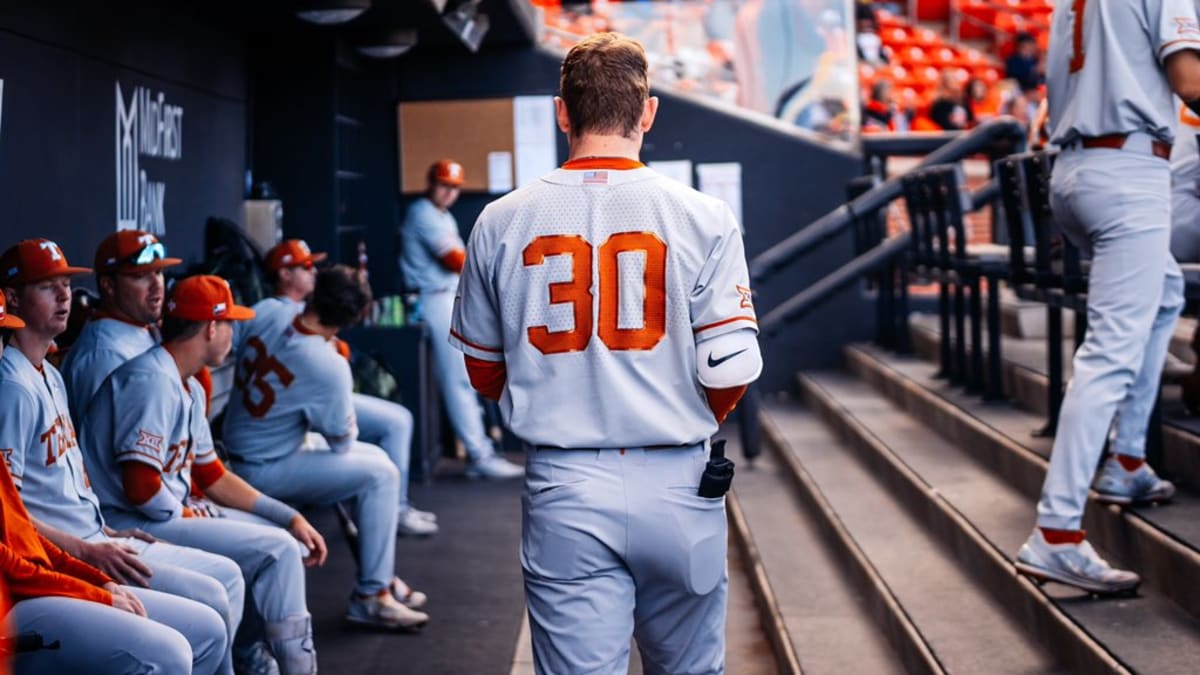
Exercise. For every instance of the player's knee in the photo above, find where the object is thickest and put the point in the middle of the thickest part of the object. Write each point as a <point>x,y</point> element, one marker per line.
<point>161,650</point>
<point>208,634</point>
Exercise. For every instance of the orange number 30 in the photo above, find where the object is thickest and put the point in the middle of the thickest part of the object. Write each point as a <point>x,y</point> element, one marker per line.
<point>577,292</point>
<point>1077,35</point>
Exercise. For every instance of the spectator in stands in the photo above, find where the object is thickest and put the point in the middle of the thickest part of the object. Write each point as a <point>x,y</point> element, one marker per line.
<point>1025,63</point>
<point>871,49</point>
<point>882,113</point>
<point>980,102</point>
<point>947,110</point>
<point>292,268</point>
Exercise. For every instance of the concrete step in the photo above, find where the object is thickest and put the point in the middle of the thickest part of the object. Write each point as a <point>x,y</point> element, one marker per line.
<point>818,621</point>
<point>1026,383</point>
<point>1160,543</point>
<point>938,618</point>
<point>983,519</point>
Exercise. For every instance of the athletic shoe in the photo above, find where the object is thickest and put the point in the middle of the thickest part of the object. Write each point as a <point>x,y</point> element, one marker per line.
<point>494,467</point>
<point>254,659</point>
<point>1116,485</point>
<point>410,524</point>
<point>1075,565</point>
<point>384,611</point>
<point>427,515</point>
<point>405,594</point>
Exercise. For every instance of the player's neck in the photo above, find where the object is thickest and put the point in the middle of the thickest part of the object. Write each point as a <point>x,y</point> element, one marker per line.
<point>109,310</point>
<point>290,294</point>
<point>308,322</point>
<point>599,145</point>
<point>32,343</point>
<point>189,358</point>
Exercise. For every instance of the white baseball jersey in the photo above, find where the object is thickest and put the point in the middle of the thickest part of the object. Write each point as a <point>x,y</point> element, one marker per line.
<point>428,233</point>
<point>288,382</point>
<point>267,312</point>
<point>1185,154</point>
<point>102,346</point>
<point>144,412</point>
<point>1104,68</point>
<point>41,449</point>
<point>594,288</point>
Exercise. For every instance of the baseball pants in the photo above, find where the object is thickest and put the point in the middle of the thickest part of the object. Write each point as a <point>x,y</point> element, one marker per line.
<point>462,403</point>
<point>179,636</point>
<point>1185,222</point>
<point>1115,206</point>
<point>364,475</point>
<point>203,577</point>
<point>390,426</point>
<point>616,543</point>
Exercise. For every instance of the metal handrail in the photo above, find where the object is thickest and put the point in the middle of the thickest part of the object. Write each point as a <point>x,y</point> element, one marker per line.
<point>980,139</point>
<point>800,304</point>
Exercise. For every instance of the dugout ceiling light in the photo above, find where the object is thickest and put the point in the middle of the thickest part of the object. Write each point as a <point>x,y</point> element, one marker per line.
<point>438,5</point>
<point>468,24</point>
<point>331,12</point>
<point>385,43</point>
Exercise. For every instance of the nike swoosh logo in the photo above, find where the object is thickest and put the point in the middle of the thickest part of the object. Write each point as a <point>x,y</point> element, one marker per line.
<point>713,363</point>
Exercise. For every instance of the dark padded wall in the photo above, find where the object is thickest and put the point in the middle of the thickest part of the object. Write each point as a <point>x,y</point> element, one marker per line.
<point>787,182</point>
<point>61,64</point>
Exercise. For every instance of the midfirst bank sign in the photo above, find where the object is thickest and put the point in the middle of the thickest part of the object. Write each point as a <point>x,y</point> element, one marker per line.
<point>147,126</point>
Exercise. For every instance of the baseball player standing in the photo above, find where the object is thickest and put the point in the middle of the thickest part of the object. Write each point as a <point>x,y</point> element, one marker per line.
<point>290,381</point>
<point>36,430</point>
<point>608,283</point>
<point>431,258</point>
<point>292,267</point>
<point>1111,69</point>
<point>148,442</point>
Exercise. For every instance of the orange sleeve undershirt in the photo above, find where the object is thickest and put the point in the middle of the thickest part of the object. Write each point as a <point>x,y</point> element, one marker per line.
<point>343,349</point>
<point>723,401</point>
<point>454,260</point>
<point>204,475</point>
<point>204,376</point>
<point>140,481</point>
<point>488,377</point>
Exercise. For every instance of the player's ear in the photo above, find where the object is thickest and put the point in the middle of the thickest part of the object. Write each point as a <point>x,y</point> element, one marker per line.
<point>649,110</point>
<point>210,331</point>
<point>10,298</point>
<point>561,116</point>
<point>107,284</point>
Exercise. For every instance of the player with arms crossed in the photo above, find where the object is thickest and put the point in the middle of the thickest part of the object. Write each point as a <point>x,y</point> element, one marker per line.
<point>1111,69</point>
<point>608,283</point>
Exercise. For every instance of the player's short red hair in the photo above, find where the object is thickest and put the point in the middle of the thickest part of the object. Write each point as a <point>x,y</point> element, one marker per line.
<point>604,83</point>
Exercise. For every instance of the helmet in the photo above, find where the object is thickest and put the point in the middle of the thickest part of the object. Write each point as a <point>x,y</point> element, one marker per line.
<point>447,171</point>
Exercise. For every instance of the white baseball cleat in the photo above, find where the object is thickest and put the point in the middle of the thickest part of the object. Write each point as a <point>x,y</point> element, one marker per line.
<point>255,659</point>
<point>427,515</point>
<point>384,611</point>
<point>494,467</point>
<point>1075,565</point>
<point>1117,485</point>
<point>411,524</point>
<point>405,594</point>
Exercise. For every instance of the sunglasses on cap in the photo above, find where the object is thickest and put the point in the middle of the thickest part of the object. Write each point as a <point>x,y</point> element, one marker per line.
<point>148,254</point>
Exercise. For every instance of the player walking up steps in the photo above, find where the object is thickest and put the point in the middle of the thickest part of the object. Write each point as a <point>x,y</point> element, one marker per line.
<point>609,286</point>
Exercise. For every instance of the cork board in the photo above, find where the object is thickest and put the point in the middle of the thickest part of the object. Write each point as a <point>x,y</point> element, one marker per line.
<point>465,131</point>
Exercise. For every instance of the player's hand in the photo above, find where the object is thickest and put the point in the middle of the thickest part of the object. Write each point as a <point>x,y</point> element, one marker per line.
<point>117,561</point>
<point>124,600</point>
<point>131,533</point>
<point>308,535</point>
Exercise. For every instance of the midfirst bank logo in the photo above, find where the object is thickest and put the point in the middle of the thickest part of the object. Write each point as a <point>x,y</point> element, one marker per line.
<point>146,127</point>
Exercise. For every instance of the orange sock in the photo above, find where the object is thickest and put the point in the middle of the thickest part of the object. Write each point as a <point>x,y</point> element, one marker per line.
<point>1130,463</point>
<point>1063,536</point>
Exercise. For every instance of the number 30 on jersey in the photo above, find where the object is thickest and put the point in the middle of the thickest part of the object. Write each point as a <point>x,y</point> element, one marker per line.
<point>577,291</point>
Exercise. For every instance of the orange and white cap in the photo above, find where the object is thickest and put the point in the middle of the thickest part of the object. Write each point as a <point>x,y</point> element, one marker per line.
<point>130,252</point>
<point>205,297</point>
<point>447,171</point>
<point>8,320</point>
<point>292,253</point>
<point>34,260</point>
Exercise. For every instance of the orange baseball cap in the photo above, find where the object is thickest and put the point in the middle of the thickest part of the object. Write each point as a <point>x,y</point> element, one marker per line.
<point>34,260</point>
<point>205,297</point>
<point>130,252</point>
<point>447,171</point>
<point>292,253</point>
<point>8,320</point>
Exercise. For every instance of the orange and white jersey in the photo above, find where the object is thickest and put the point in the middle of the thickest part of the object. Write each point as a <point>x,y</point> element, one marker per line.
<point>594,286</point>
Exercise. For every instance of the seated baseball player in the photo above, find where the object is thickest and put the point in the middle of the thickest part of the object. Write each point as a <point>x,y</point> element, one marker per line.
<point>291,380</point>
<point>129,274</point>
<point>104,627</point>
<point>389,425</point>
<point>52,480</point>
<point>147,442</point>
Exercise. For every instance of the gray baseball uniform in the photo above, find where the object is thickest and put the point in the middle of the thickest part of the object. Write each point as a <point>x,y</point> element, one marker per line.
<point>1185,188</point>
<point>103,345</point>
<point>1105,77</point>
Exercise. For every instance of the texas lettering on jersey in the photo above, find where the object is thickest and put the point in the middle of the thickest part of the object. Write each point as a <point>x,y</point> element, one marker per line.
<point>58,439</point>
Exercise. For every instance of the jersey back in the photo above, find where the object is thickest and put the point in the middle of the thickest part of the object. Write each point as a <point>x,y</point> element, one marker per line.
<point>594,288</point>
<point>1105,66</point>
<point>102,346</point>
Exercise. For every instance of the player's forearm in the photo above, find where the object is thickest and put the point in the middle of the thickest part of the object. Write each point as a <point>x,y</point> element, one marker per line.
<point>68,542</point>
<point>232,491</point>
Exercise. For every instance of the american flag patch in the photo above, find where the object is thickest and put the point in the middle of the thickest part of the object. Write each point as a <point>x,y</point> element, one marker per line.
<point>595,178</point>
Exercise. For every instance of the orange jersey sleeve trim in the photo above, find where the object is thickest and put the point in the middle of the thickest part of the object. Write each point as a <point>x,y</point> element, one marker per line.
<point>342,347</point>
<point>468,343</point>
<point>488,377</point>
<point>204,475</point>
<point>723,401</point>
<point>140,481</point>
<point>726,321</point>
<point>454,260</point>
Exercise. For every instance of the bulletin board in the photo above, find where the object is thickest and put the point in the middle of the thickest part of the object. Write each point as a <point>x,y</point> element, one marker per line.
<point>465,131</point>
